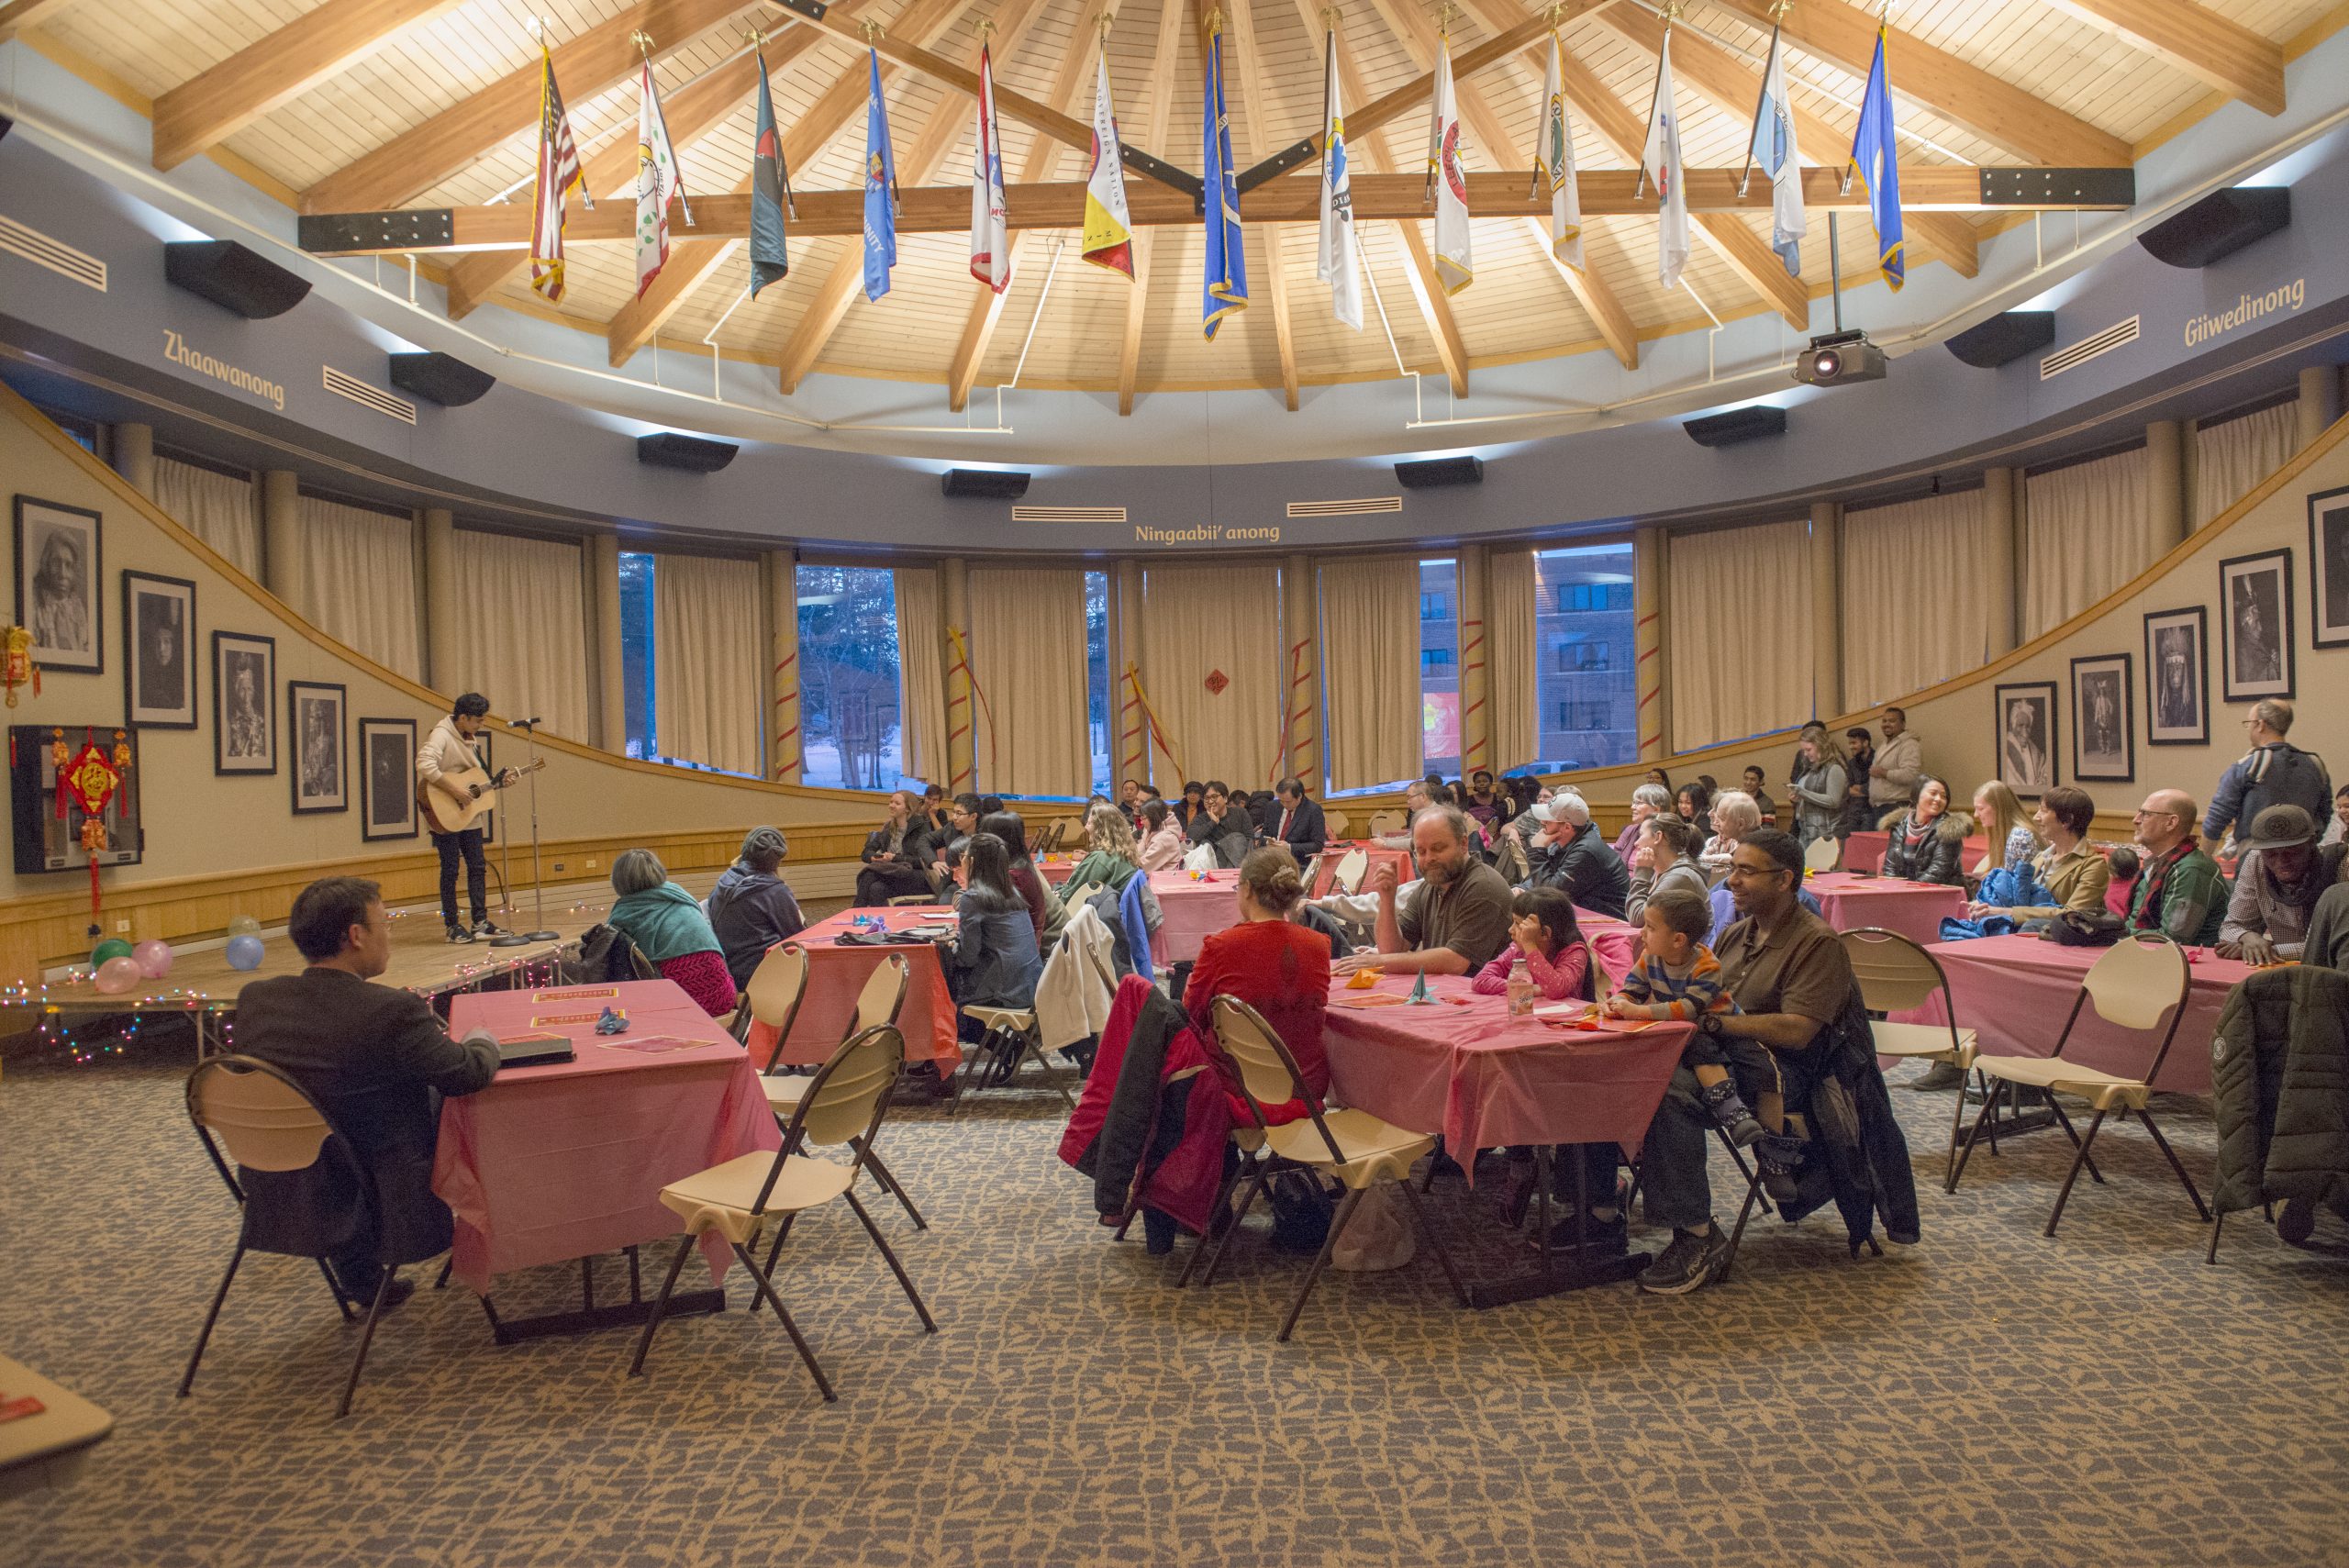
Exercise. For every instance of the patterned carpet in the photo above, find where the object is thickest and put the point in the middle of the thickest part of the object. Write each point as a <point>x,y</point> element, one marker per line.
<point>1989,1397</point>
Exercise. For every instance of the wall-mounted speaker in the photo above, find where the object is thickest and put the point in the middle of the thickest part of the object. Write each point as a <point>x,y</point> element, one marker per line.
<point>440,378</point>
<point>2219,225</point>
<point>1436,473</point>
<point>2004,339</point>
<point>1737,425</point>
<point>695,454</point>
<point>235,279</point>
<point>983,484</point>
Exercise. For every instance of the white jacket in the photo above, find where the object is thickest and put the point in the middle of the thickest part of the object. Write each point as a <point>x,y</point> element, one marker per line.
<point>1072,995</point>
<point>444,752</point>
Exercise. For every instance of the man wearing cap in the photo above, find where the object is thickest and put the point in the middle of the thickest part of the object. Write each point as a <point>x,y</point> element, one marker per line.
<point>2282,876</point>
<point>752,908</point>
<point>1569,855</point>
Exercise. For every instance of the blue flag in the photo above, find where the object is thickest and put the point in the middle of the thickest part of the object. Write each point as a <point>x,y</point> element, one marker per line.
<point>1875,158</point>
<point>1227,277</point>
<point>880,189</point>
<point>770,190</point>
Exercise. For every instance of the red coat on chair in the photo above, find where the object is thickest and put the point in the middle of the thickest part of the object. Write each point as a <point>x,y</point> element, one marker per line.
<point>1152,1124</point>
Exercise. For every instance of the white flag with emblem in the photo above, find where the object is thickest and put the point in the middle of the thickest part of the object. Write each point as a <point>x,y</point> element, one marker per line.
<point>1554,164</point>
<point>1454,269</point>
<point>1660,159</point>
<point>1773,149</point>
<point>657,180</point>
<point>1338,264</point>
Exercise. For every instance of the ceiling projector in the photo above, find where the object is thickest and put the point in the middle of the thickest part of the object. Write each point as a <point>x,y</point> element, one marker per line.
<point>1839,359</point>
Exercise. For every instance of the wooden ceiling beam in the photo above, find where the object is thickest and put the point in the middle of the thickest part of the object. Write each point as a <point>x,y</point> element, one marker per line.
<point>2196,40</point>
<point>1161,90</point>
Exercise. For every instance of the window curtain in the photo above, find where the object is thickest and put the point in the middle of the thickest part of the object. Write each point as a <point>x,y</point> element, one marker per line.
<point>359,580</point>
<point>1510,606</point>
<point>1740,638</point>
<point>2086,529</point>
<point>1370,669</point>
<point>1028,656</point>
<point>1204,622</point>
<point>708,685</point>
<point>2233,458</point>
<point>520,636</point>
<point>221,509</point>
<point>1915,601</point>
<point>921,673</point>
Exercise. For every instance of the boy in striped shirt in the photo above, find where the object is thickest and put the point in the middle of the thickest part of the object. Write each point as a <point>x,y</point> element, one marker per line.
<point>1679,980</point>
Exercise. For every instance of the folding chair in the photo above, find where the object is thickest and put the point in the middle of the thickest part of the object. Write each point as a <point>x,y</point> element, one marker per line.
<point>2133,984</point>
<point>883,998</point>
<point>845,1103</point>
<point>1334,823</point>
<point>1011,1039</point>
<point>1822,854</point>
<point>1798,1128</point>
<point>1895,975</point>
<point>1383,823</point>
<point>1351,867</point>
<point>773,997</point>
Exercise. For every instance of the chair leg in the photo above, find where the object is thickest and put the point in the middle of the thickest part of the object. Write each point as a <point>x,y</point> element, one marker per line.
<point>203,1335</point>
<point>1743,1169</point>
<point>1435,1159</point>
<point>1983,1080</point>
<point>1442,1253</point>
<point>1247,1202</point>
<point>341,1302</point>
<point>1737,1235</point>
<point>1322,1260</point>
<point>366,1338</point>
<point>1222,1205</point>
<point>895,1267</point>
<point>2077,1160</point>
<point>1956,1128</point>
<point>888,1179</point>
<point>2218,1223</point>
<point>2163,1144</point>
<point>782,1231</point>
<point>1989,1103</point>
<point>760,1284</point>
<point>2066,1123</point>
<point>448,1267</point>
<point>660,1304</point>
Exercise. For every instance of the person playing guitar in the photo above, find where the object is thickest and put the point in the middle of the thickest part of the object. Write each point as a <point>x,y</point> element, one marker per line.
<point>447,752</point>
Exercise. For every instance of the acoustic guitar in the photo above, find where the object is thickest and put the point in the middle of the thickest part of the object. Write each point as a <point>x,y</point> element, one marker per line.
<point>443,815</point>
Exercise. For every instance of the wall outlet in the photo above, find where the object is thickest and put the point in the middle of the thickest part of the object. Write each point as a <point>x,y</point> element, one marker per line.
<point>557,865</point>
<point>122,926</point>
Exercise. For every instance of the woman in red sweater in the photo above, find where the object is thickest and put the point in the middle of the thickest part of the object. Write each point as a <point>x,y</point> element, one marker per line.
<point>1278,967</point>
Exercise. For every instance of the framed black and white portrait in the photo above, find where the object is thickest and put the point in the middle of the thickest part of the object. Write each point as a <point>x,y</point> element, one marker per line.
<point>244,717</point>
<point>159,651</point>
<point>2026,738</point>
<point>57,585</point>
<point>2256,625</point>
<point>387,778</point>
<point>2329,569</point>
<point>2103,701</point>
<point>2177,677</point>
<point>314,720</point>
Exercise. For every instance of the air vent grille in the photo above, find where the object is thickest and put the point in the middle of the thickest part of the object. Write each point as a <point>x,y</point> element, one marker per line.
<point>1068,514</point>
<point>2072,356</point>
<point>32,245</point>
<point>359,392</point>
<point>1362,508</point>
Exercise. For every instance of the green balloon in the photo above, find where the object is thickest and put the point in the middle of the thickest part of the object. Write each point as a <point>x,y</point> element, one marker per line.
<point>244,926</point>
<point>113,947</point>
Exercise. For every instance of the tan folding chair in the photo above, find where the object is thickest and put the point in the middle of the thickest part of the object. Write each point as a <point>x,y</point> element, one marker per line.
<point>1353,1147</point>
<point>1895,975</point>
<point>1385,822</point>
<point>1334,823</point>
<point>883,998</point>
<point>1011,1039</point>
<point>1822,854</point>
<point>269,1123</point>
<point>1602,983</point>
<point>1352,869</point>
<point>773,997</point>
<point>2133,984</point>
<point>845,1103</point>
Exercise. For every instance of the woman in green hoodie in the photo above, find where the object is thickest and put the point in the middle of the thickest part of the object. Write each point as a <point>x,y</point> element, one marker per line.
<point>667,926</point>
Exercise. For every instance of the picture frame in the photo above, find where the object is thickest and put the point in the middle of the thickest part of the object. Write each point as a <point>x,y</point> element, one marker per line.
<point>2104,744</point>
<point>2256,625</point>
<point>387,779</point>
<point>315,712</point>
<point>60,563</point>
<point>2329,569</point>
<point>2177,676</point>
<point>158,651</point>
<point>244,714</point>
<point>2024,738</point>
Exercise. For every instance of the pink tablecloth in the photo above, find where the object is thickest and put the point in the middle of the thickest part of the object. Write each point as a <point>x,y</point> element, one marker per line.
<point>1864,852</point>
<point>2016,992</point>
<point>1325,877</point>
<point>835,976</point>
<point>568,1160</point>
<point>1849,901</point>
<point>1194,910</point>
<point>1617,942</point>
<point>1469,1071</point>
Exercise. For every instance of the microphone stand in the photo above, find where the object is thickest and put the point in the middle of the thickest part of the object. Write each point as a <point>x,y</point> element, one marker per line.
<point>529,726</point>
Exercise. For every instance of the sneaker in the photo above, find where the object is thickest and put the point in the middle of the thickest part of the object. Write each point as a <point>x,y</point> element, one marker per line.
<point>484,928</point>
<point>1729,1113</point>
<point>1940,1075</point>
<point>1688,1264</point>
<point>1609,1238</point>
<point>459,934</point>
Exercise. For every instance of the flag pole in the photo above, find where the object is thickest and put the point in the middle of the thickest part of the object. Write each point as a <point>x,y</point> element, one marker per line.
<point>1541,119</point>
<point>1851,164</point>
<point>1671,15</point>
<point>872,31</point>
<point>1443,13</point>
<point>1777,25</point>
<point>758,41</point>
<point>1329,61</point>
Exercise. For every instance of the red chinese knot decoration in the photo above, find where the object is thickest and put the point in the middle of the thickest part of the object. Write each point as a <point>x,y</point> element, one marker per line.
<point>88,781</point>
<point>1216,682</point>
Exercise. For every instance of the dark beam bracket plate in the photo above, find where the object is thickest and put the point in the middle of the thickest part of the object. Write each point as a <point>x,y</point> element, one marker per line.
<point>2059,187</point>
<point>426,228</point>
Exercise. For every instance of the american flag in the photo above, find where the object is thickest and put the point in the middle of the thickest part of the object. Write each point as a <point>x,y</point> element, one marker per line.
<point>558,175</point>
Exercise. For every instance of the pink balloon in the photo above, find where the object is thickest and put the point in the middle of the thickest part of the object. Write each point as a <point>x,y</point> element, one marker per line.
<point>153,958</point>
<point>118,975</point>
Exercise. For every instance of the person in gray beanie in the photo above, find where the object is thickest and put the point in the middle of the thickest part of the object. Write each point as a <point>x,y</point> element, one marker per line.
<point>752,908</point>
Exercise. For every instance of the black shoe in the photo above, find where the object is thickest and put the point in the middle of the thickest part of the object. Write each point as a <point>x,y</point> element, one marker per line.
<point>459,934</point>
<point>2296,1221</point>
<point>1689,1263</point>
<point>1780,1157</point>
<point>401,1290</point>
<point>1609,1238</point>
<point>1942,1076</point>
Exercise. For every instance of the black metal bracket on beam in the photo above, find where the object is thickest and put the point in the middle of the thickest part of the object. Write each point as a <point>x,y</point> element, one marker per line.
<point>812,9</point>
<point>424,229</point>
<point>1279,164</point>
<point>1165,173</point>
<point>2059,187</point>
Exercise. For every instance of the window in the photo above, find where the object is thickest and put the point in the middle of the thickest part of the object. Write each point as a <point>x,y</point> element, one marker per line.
<point>1434,605</point>
<point>1434,658</point>
<point>848,677</point>
<point>1588,696</point>
<point>1439,667</point>
<point>636,653</point>
<point>1098,708</point>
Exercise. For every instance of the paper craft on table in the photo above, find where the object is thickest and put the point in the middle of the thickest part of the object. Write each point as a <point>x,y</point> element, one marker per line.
<point>1365,979</point>
<point>653,1044</point>
<point>1375,999</point>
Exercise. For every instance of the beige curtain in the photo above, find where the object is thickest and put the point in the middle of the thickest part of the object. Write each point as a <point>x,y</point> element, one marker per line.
<point>520,634</point>
<point>707,682</point>
<point>1740,631</point>
<point>1370,669</point>
<point>2088,529</point>
<point>1199,622</point>
<point>921,673</point>
<point>358,578</point>
<point>1510,607</point>
<point>221,509</point>
<point>1030,737</point>
<point>1915,601</point>
<point>2233,458</point>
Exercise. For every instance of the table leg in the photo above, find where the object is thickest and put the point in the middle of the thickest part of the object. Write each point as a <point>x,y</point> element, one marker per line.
<point>1556,1273</point>
<point>636,1309</point>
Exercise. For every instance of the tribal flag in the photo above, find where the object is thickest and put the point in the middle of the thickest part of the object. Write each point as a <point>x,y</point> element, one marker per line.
<point>1338,263</point>
<point>1226,287</point>
<point>1455,268</point>
<point>1773,150</point>
<point>990,224</point>
<point>1872,155</point>
<point>657,177</point>
<point>1660,160</point>
<point>1108,229</point>
<point>880,187</point>
<point>1554,162</point>
<point>558,175</point>
<point>770,195</point>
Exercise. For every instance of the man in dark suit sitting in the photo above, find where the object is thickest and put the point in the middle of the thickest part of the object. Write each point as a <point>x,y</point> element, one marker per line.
<point>373,1057</point>
<point>1299,824</point>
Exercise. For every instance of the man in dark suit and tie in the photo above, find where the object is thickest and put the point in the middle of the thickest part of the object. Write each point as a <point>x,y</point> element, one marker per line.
<point>1299,824</point>
<point>376,1060</point>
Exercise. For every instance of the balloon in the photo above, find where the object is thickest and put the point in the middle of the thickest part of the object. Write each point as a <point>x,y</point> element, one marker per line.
<point>153,957</point>
<point>244,951</point>
<point>244,926</point>
<point>118,974</point>
<point>113,947</point>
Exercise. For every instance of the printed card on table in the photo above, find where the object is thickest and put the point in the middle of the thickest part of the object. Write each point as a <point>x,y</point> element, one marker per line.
<point>577,994</point>
<point>556,1020</point>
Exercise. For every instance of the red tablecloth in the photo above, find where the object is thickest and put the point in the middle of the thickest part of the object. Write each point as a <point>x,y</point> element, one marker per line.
<point>1325,878</point>
<point>1848,901</point>
<point>1864,852</point>
<point>835,976</point>
<point>1617,942</point>
<point>1195,910</point>
<point>568,1160</point>
<point>1469,1071</point>
<point>2016,992</point>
